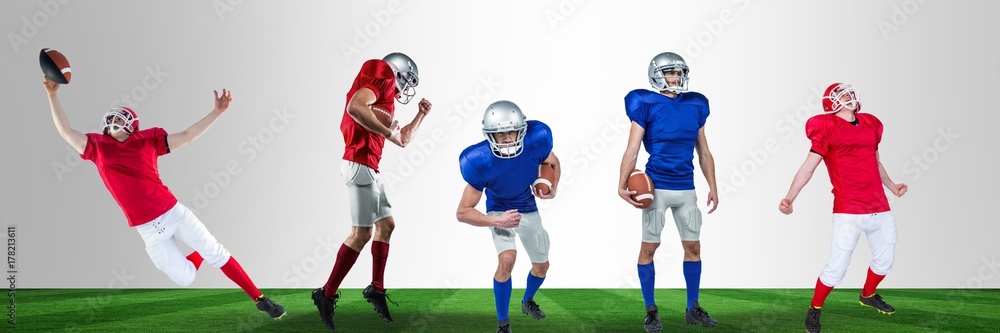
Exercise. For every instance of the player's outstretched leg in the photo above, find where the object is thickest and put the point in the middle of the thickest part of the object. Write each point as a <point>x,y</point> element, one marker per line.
<point>375,292</point>
<point>193,232</point>
<point>325,306</point>
<point>234,272</point>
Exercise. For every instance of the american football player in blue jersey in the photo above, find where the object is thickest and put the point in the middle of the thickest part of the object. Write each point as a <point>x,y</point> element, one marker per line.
<point>504,166</point>
<point>670,123</point>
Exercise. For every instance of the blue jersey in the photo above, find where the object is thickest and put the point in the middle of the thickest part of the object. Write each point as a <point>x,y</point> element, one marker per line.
<point>671,126</point>
<point>507,182</point>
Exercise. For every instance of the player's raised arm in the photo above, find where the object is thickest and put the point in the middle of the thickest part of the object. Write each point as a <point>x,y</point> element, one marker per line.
<point>628,163</point>
<point>897,189</point>
<point>707,163</point>
<point>75,138</point>
<point>360,109</point>
<point>801,178</point>
<point>407,133</point>
<point>180,139</point>
<point>467,212</point>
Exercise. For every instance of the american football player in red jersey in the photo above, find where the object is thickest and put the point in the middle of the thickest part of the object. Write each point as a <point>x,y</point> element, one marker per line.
<point>126,159</point>
<point>379,82</point>
<point>847,141</point>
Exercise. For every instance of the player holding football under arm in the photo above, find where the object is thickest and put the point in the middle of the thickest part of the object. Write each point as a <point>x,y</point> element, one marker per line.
<point>126,159</point>
<point>374,88</point>
<point>504,166</point>
<point>670,123</point>
<point>847,141</point>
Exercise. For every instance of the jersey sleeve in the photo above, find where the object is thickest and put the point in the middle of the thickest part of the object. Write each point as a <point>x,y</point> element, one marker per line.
<point>377,76</point>
<point>470,172</point>
<point>818,130</point>
<point>704,110</point>
<point>90,150</point>
<point>158,140</point>
<point>636,108</point>
<point>878,131</point>
<point>541,139</point>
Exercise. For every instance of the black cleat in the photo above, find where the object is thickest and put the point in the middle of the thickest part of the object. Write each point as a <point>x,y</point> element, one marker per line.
<point>697,315</point>
<point>531,308</point>
<point>652,322</point>
<point>325,306</point>
<point>812,320</point>
<point>266,305</point>
<point>503,326</point>
<point>378,301</point>
<point>876,302</point>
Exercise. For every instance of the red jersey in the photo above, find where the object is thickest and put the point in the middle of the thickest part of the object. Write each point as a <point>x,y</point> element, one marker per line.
<point>849,149</point>
<point>130,172</point>
<point>362,146</point>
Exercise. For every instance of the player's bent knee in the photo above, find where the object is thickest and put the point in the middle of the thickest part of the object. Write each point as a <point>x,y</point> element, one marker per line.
<point>181,278</point>
<point>540,268</point>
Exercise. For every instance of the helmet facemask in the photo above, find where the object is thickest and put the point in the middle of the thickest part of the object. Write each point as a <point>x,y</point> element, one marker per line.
<point>507,150</point>
<point>129,121</point>
<point>832,99</point>
<point>405,83</point>
<point>659,79</point>
<point>503,117</point>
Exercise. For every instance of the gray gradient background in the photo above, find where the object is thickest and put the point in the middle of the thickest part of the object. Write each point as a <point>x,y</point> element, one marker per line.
<point>285,213</point>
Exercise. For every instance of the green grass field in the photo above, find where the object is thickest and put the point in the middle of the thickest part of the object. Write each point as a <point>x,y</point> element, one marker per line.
<point>471,310</point>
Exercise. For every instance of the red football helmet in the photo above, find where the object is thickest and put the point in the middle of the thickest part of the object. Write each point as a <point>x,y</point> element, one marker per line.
<point>130,121</point>
<point>833,94</point>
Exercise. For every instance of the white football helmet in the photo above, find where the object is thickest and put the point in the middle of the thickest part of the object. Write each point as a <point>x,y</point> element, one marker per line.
<point>130,121</point>
<point>502,117</point>
<point>407,76</point>
<point>668,61</point>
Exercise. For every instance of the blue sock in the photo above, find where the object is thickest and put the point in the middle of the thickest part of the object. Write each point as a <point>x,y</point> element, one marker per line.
<point>501,293</point>
<point>647,275</point>
<point>692,275</point>
<point>534,283</point>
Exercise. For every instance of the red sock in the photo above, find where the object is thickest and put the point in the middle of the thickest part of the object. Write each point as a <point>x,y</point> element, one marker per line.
<point>872,282</point>
<point>819,296</point>
<point>195,259</point>
<point>380,253</point>
<point>345,260</point>
<point>235,272</point>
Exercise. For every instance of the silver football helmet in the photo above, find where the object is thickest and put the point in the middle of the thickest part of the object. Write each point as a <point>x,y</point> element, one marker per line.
<point>668,61</point>
<point>502,117</point>
<point>407,76</point>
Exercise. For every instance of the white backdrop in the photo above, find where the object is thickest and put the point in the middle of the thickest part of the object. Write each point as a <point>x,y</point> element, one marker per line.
<point>265,179</point>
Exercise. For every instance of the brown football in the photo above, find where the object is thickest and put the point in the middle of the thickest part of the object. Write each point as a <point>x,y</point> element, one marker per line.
<point>55,66</point>
<point>546,176</point>
<point>383,116</point>
<point>639,182</point>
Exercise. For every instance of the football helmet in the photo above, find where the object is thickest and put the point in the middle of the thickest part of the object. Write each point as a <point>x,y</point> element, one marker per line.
<point>832,95</point>
<point>130,121</point>
<point>407,76</point>
<point>502,117</point>
<point>667,61</point>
